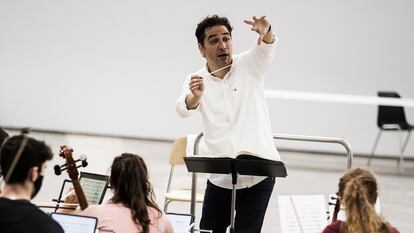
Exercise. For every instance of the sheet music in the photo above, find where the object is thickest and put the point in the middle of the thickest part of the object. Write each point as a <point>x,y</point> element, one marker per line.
<point>93,189</point>
<point>302,212</point>
<point>179,222</point>
<point>75,224</point>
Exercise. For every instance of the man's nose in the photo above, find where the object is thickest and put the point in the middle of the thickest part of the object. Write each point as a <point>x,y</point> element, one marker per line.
<point>222,45</point>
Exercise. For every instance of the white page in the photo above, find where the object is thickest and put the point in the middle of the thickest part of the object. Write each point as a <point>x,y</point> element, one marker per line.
<point>179,222</point>
<point>302,213</point>
<point>93,189</point>
<point>75,223</point>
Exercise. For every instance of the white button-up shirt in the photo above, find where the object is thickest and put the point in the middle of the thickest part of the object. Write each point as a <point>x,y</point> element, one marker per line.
<point>234,111</point>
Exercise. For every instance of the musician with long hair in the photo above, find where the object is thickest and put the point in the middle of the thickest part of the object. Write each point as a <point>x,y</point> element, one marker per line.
<point>358,192</point>
<point>132,208</point>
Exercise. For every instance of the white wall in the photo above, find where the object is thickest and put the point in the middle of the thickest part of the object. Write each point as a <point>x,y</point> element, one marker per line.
<point>117,66</point>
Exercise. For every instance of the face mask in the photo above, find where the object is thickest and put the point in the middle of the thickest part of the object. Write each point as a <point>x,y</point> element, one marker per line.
<point>36,185</point>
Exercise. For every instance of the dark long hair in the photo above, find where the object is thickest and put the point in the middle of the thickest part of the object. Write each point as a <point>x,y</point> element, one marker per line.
<point>358,192</point>
<point>129,181</point>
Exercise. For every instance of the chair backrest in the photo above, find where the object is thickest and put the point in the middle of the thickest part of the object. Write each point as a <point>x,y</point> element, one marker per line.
<point>178,151</point>
<point>391,114</point>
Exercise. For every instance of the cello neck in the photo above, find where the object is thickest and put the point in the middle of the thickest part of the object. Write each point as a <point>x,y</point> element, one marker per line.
<point>83,203</point>
<point>336,210</point>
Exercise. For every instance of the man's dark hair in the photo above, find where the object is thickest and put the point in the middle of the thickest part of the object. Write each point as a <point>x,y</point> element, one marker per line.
<point>35,153</point>
<point>3,136</point>
<point>208,22</point>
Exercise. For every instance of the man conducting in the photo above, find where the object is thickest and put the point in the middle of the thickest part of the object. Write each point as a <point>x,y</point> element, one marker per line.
<point>229,94</point>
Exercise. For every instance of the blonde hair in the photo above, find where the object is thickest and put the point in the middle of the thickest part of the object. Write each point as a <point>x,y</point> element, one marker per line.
<point>358,192</point>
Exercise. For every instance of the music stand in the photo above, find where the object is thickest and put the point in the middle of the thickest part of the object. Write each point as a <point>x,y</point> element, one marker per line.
<point>243,164</point>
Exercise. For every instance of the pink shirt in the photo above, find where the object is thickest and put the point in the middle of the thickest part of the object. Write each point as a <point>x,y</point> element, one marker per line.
<point>117,218</point>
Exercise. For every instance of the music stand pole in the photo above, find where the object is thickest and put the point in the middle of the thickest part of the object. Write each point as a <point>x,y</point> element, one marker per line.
<point>233,195</point>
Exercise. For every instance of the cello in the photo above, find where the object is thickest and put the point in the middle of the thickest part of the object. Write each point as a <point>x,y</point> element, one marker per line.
<point>66,152</point>
<point>336,209</point>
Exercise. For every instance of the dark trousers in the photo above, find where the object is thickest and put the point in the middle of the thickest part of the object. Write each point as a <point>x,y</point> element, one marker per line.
<point>251,205</point>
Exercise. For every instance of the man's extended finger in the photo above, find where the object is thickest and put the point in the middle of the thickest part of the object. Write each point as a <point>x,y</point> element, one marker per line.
<point>248,22</point>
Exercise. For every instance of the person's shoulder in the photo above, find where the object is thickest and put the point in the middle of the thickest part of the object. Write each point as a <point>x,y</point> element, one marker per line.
<point>334,227</point>
<point>25,212</point>
<point>43,220</point>
<point>236,57</point>
<point>106,210</point>
<point>102,208</point>
<point>18,206</point>
<point>391,228</point>
<point>153,212</point>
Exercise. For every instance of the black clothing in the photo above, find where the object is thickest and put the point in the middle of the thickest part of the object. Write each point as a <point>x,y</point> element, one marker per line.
<point>21,216</point>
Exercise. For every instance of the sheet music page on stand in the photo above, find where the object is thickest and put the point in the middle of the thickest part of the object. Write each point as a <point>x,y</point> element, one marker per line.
<point>93,189</point>
<point>75,223</point>
<point>302,213</point>
<point>179,222</point>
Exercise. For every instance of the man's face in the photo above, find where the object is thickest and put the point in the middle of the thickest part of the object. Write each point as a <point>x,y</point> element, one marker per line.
<point>217,48</point>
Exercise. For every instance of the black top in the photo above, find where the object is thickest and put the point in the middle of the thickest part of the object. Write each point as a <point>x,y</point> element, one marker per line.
<point>23,217</point>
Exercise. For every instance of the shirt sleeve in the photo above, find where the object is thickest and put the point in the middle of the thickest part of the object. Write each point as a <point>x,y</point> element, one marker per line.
<point>258,59</point>
<point>181,106</point>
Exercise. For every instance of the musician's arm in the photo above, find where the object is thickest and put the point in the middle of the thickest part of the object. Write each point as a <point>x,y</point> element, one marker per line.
<point>69,200</point>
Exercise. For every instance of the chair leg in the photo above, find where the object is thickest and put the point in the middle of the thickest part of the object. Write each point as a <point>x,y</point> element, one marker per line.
<point>166,205</point>
<point>403,146</point>
<point>373,149</point>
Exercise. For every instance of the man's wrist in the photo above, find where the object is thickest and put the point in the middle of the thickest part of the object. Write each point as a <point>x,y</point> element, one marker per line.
<point>269,38</point>
<point>192,101</point>
<point>270,29</point>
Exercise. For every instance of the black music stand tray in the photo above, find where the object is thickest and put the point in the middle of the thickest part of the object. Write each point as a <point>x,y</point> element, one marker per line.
<point>242,164</point>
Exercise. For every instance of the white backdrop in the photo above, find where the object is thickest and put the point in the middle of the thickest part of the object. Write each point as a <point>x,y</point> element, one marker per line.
<point>116,67</point>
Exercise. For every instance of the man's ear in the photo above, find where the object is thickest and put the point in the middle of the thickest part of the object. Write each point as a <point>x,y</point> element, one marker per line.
<point>33,174</point>
<point>201,49</point>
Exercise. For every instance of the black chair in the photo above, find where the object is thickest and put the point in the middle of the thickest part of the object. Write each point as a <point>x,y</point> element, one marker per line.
<point>392,118</point>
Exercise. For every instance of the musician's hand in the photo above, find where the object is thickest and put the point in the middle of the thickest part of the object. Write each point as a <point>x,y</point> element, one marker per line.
<point>196,86</point>
<point>262,27</point>
<point>70,197</point>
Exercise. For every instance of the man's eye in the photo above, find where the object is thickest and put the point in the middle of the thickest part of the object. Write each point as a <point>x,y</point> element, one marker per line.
<point>213,41</point>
